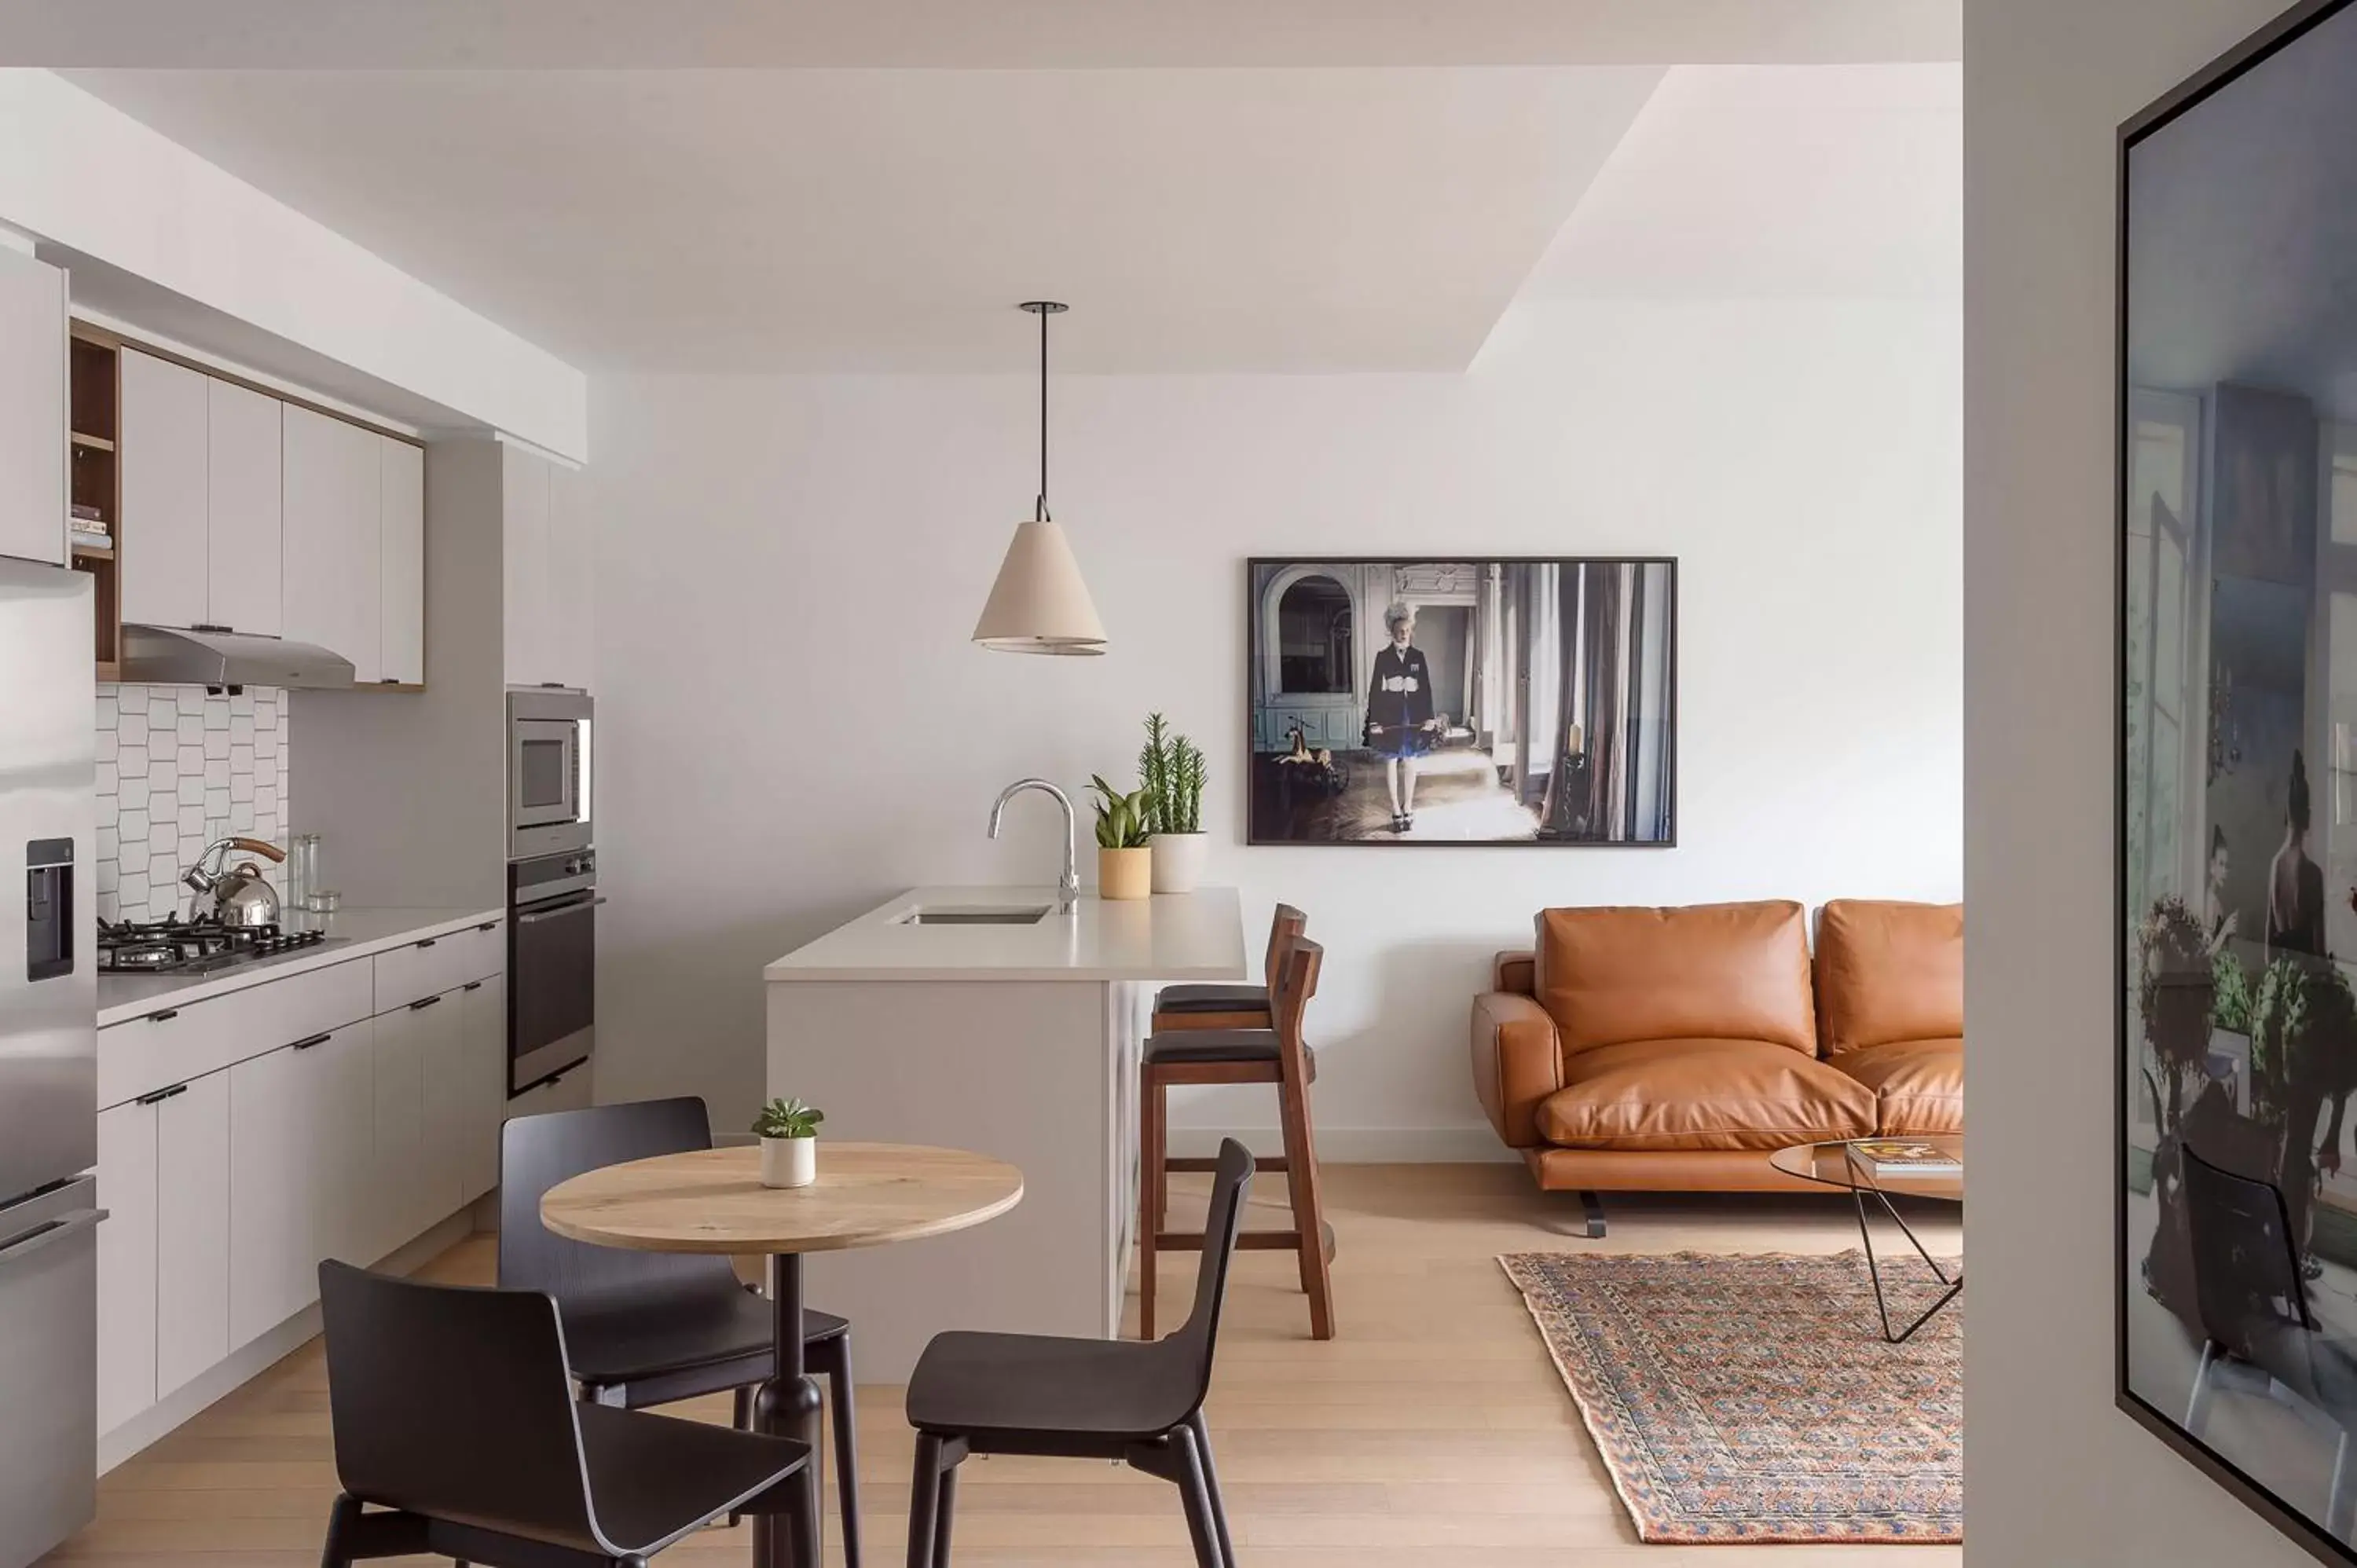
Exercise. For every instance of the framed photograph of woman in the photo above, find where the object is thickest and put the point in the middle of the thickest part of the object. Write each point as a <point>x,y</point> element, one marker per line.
<point>1462,700</point>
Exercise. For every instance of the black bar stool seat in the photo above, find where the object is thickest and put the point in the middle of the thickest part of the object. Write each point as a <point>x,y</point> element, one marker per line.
<point>1208,998</point>
<point>990,1385</point>
<point>1221,1045</point>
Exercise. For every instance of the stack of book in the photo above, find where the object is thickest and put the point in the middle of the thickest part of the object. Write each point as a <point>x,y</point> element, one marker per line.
<point>1897,1157</point>
<point>88,529</point>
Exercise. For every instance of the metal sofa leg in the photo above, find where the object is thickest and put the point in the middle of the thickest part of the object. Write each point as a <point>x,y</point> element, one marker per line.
<point>1592,1206</point>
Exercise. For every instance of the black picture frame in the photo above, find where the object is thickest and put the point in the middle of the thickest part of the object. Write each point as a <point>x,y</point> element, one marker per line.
<point>2284,33</point>
<point>1257,834</point>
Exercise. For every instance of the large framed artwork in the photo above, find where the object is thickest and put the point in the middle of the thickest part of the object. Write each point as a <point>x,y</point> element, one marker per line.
<point>1462,700</point>
<point>2236,1246</point>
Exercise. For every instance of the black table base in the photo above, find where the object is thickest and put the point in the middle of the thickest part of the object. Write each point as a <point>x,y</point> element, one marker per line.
<point>1874,1269</point>
<point>788,1406</point>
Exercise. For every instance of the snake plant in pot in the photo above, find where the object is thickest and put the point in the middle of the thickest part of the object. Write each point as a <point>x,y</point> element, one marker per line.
<point>1125,865</point>
<point>788,1133</point>
<point>1171,769</point>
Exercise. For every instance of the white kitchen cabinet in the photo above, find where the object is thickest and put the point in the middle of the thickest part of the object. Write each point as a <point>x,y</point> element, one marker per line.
<point>453,1122</point>
<point>164,454</point>
<point>400,1182</point>
<point>401,555</point>
<point>243,506</point>
<point>484,1034</point>
<point>301,1122</point>
<point>331,586</point>
<point>126,1263</point>
<point>32,409</point>
<point>566,608</point>
<point>192,1226</point>
<point>524,481</point>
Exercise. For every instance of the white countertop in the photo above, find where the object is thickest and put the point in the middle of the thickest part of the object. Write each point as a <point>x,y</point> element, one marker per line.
<point>351,933</point>
<point>1169,937</point>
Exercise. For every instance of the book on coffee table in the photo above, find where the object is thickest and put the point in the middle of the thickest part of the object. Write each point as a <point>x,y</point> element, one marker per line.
<point>1898,1158</point>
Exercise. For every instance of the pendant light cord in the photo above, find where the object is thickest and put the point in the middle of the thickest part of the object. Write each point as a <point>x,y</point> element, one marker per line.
<point>1043,416</point>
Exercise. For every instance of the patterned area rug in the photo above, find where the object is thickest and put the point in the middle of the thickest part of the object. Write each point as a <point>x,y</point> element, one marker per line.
<point>1751,1397</point>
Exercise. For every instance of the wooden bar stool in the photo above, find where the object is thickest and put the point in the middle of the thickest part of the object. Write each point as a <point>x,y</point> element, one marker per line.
<point>1277,1055</point>
<point>1231,1007</point>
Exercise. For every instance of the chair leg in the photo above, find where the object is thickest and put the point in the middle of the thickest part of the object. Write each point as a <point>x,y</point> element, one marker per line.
<point>1153,1189</point>
<point>741,1416</point>
<point>2336,1506</point>
<point>1195,1496</point>
<point>1202,1430</point>
<point>945,1514</point>
<point>833,1359</point>
<point>2197,1408</point>
<point>1308,1211</point>
<point>924,1501</point>
<point>337,1550</point>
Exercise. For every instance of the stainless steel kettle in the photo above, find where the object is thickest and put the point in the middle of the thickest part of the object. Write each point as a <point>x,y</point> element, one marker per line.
<point>235,896</point>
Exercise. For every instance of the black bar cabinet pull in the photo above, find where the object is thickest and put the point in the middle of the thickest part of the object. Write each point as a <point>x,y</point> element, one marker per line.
<point>314,1040</point>
<point>423,1003</point>
<point>162,1094</point>
<point>161,1017</point>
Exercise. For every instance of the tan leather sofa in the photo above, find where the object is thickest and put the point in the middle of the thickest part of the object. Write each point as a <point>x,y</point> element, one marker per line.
<point>1674,1050</point>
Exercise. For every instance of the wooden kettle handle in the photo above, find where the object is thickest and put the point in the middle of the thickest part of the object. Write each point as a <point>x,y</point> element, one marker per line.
<point>269,852</point>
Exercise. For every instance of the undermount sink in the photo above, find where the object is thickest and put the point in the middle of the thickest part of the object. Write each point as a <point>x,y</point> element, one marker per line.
<point>975,914</point>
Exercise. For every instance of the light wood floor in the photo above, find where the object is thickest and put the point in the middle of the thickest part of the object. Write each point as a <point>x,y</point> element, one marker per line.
<point>1432,1431</point>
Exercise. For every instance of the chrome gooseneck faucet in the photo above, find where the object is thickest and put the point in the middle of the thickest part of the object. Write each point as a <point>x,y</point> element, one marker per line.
<point>1068,885</point>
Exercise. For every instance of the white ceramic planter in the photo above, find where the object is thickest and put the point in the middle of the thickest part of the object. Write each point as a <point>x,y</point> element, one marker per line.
<point>1179,861</point>
<point>789,1162</point>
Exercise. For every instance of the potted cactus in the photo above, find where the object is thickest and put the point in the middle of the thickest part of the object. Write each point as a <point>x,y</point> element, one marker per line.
<point>788,1133</point>
<point>1171,769</point>
<point>1125,865</point>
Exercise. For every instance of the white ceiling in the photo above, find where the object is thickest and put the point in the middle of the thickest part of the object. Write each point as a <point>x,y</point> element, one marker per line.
<point>1776,181</point>
<point>856,221</point>
<point>641,34</point>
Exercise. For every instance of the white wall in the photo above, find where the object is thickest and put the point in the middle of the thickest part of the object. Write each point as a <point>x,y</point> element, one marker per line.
<point>82,175</point>
<point>794,725</point>
<point>2053,1473</point>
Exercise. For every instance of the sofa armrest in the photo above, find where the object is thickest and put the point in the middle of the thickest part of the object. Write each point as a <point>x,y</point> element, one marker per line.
<point>1517,1063</point>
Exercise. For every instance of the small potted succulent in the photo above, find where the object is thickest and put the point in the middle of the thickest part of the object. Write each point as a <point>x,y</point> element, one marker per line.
<point>1125,865</point>
<point>1172,771</point>
<point>788,1133</point>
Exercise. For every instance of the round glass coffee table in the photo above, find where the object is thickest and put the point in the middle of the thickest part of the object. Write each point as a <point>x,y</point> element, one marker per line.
<point>1879,1168</point>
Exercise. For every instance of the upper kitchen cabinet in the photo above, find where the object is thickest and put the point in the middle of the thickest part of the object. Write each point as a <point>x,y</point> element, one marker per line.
<point>200,463</point>
<point>32,409</point>
<point>332,589</point>
<point>243,507</point>
<point>547,571</point>
<point>401,557</point>
<point>164,458</point>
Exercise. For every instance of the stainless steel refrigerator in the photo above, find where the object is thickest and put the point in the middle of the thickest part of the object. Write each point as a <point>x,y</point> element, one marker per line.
<point>48,1061</point>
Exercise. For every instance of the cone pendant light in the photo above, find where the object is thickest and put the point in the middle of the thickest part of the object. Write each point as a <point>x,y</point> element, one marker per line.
<point>1040,604</point>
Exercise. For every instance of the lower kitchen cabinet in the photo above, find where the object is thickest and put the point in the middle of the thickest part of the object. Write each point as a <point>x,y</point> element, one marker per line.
<point>164,1251</point>
<point>483,1072</point>
<point>192,1227</point>
<point>126,1263</point>
<point>300,1165</point>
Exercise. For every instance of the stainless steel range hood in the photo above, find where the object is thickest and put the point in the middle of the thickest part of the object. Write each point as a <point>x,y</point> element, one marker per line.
<point>166,656</point>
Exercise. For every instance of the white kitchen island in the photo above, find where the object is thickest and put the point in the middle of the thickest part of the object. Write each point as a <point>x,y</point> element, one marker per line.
<point>1016,1040</point>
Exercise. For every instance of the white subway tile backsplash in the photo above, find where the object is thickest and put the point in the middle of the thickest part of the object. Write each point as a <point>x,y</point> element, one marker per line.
<point>177,768</point>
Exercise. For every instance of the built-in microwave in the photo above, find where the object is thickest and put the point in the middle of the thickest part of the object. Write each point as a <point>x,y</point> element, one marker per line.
<point>548,770</point>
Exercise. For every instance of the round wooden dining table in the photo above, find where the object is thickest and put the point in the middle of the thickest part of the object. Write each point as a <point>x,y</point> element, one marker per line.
<point>712,1200</point>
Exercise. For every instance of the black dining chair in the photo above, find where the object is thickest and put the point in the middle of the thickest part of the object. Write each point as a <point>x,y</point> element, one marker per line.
<point>645,1328</point>
<point>457,1436</point>
<point>2256,1327</point>
<point>1138,1402</point>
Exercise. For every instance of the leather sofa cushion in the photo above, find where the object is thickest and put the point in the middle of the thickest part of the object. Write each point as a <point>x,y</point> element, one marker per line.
<point>1736,971</point>
<point>1918,1085</point>
<point>1888,971</point>
<point>1667,1095</point>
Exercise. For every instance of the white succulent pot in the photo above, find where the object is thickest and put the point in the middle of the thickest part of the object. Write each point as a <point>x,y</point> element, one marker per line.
<point>1179,861</point>
<point>789,1162</point>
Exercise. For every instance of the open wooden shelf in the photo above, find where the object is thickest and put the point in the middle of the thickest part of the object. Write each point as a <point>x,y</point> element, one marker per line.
<point>94,388</point>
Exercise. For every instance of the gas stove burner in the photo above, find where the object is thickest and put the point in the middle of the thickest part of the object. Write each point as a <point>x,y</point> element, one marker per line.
<point>174,946</point>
